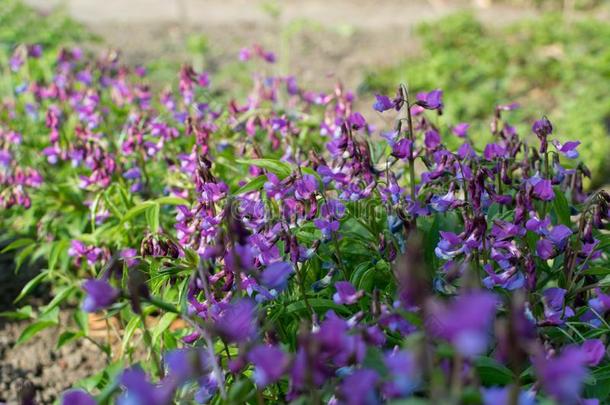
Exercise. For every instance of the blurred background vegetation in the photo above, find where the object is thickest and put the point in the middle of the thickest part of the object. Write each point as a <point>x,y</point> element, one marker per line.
<point>555,63</point>
<point>549,65</point>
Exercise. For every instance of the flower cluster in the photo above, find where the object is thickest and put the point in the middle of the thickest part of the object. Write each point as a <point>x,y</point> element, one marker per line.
<point>287,250</point>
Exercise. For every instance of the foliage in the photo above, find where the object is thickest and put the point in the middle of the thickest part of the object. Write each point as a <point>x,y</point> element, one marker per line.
<point>546,64</point>
<point>275,248</point>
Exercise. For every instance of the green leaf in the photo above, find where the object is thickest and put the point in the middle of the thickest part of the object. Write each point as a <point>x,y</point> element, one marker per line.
<point>23,255</point>
<point>282,169</point>
<point>30,286</point>
<point>320,305</point>
<point>64,293</point>
<point>18,315</point>
<point>153,214</point>
<point>130,329</point>
<point>161,326</point>
<point>597,271</point>
<point>169,200</point>
<point>492,372</point>
<point>34,329</point>
<point>254,184</point>
<point>137,210</point>
<point>18,244</point>
<point>241,391</point>
<point>561,207</point>
<point>58,248</point>
<point>67,337</point>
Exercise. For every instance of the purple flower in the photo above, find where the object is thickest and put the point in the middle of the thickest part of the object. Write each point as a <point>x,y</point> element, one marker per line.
<point>443,203</point>
<point>139,390</point>
<point>245,54</point>
<point>461,129</point>
<point>357,121</point>
<point>559,235</point>
<point>77,397</point>
<point>346,293</point>
<point>593,351</point>
<point>237,323</point>
<point>534,224</point>
<point>568,149</point>
<point>383,103</point>
<point>402,148</point>
<point>554,311</point>
<point>269,364</point>
<point>545,249</point>
<point>432,139</point>
<point>305,187</point>
<point>129,257</point>
<point>465,322</point>
<point>493,151</point>
<point>100,295</point>
<point>542,127</point>
<point>359,388</point>
<point>466,151</point>
<point>404,375</point>
<point>327,227</point>
<point>276,275</point>
<point>132,174</point>
<point>449,246</point>
<point>432,100</point>
<point>562,376</point>
<point>501,396</point>
<point>5,158</point>
<point>543,190</point>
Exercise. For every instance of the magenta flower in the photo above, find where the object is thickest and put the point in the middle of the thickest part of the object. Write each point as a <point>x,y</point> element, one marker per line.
<point>461,129</point>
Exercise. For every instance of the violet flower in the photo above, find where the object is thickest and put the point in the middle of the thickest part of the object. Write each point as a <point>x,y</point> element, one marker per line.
<point>501,396</point>
<point>276,275</point>
<point>269,362</point>
<point>139,390</point>
<point>432,100</point>
<point>100,295</point>
<point>346,293</point>
<point>359,388</point>
<point>568,149</point>
<point>562,376</point>
<point>237,322</point>
<point>593,351</point>
<point>383,103</point>
<point>461,129</point>
<point>465,322</point>
<point>404,374</point>
<point>77,397</point>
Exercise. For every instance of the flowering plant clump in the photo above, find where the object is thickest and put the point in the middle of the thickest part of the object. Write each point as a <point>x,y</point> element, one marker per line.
<point>281,249</point>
